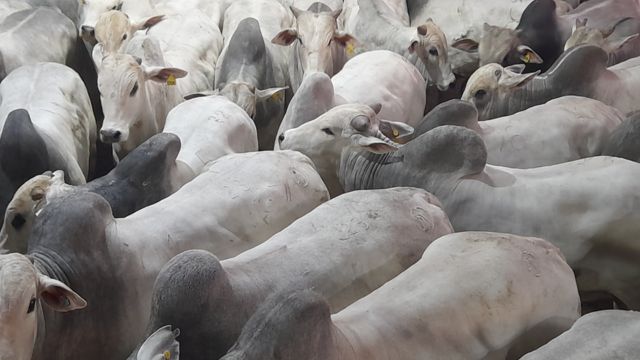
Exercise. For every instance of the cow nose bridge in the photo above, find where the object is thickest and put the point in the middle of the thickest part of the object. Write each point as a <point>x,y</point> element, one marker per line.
<point>110,136</point>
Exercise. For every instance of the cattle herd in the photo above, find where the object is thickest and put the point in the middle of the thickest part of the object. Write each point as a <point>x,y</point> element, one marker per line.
<point>319,179</point>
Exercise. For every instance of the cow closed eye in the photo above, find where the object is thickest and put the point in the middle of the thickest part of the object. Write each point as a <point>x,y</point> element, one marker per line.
<point>480,94</point>
<point>134,90</point>
<point>124,37</point>
<point>327,131</point>
<point>32,305</point>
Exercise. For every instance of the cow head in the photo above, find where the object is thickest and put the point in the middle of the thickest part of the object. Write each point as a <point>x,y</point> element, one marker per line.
<point>247,96</point>
<point>492,83</point>
<point>23,291</point>
<point>114,29</point>
<point>499,45</point>
<point>583,35</point>
<point>351,125</point>
<point>320,47</point>
<point>430,44</point>
<point>28,200</point>
<point>123,84</point>
<point>90,12</point>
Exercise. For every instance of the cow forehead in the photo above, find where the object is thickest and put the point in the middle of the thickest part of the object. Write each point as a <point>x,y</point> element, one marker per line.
<point>485,77</point>
<point>116,71</point>
<point>322,24</point>
<point>17,277</point>
<point>110,22</point>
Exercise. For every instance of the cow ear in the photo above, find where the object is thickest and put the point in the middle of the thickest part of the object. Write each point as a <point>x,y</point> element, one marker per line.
<point>276,94</point>
<point>373,144</point>
<point>162,344</point>
<point>296,12</point>
<point>465,44</point>
<point>161,74</point>
<point>145,24</point>
<point>345,39</point>
<point>336,13</point>
<point>377,107</point>
<point>513,80</point>
<point>395,130</point>
<point>285,37</point>
<point>528,55</point>
<point>517,68</point>
<point>59,296</point>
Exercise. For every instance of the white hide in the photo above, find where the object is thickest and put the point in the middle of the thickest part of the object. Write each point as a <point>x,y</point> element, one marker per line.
<point>608,334</point>
<point>35,35</point>
<point>60,109</point>
<point>8,7</point>
<point>210,128</point>
<point>472,295</point>
<point>564,129</point>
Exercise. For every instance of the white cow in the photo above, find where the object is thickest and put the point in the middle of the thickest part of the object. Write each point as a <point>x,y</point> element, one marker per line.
<point>138,93</point>
<point>226,210</point>
<point>8,7</point>
<point>374,77</point>
<point>208,129</point>
<point>36,35</point>
<point>561,130</point>
<point>471,296</point>
<point>318,45</point>
<point>424,46</point>
<point>610,334</point>
<point>344,249</point>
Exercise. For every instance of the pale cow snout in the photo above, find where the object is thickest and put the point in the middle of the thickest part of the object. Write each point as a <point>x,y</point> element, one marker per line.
<point>110,136</point>
<point>88,33</point>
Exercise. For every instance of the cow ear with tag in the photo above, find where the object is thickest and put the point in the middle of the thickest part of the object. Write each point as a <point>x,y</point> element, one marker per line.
<point>162,344</point>
<point>528,56</point>
<point>59,296</point>
<point>275,94</point>
<point>349,42</point>
<point>285,37</point>
<point>395,131</point>
<point>164,75</point>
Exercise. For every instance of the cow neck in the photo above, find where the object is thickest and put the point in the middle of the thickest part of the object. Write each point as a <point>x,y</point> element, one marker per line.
<point>49,263</point>
<point>359,169</point>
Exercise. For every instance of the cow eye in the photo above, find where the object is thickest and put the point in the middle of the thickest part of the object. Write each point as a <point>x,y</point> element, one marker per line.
<point>134,90</point>
<point>18,221</point>
<point>32,305</point>
<point>433,52</point>
<point>124,37</point>
<point>480,94</point>
<point>327,131</point>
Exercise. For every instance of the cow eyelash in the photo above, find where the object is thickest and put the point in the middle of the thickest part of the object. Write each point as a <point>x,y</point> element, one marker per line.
<point>327,131</point>
<point>134,90</point>
<point>32,305</point>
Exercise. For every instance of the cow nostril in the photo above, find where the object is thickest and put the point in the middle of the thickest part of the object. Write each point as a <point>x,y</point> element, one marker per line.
<point>281,138</point>
<point>116,135</point>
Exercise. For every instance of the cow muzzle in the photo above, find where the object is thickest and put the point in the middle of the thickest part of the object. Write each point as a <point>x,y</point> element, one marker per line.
<point>88,34</point>
<point>110,136</point>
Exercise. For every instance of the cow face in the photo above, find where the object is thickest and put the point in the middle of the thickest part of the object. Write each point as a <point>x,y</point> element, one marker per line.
<point>430,44</point>
<point>492,83</point>
<point>352,125</point>
<point>319,45</point>
<point>247,96</point>
<point>114,30</point>
<point>23,291</point>
<point>123,83</point>
<point>28,200</point>
<point>583,35</point>
<point>90,12</point>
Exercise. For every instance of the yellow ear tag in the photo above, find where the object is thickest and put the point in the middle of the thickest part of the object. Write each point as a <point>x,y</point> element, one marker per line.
<point>171,80</point>
<point>351,49</point>
<point>527,57</point>
<point>395,133</point>
<point>167,355</point>
<point>277,96</point>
